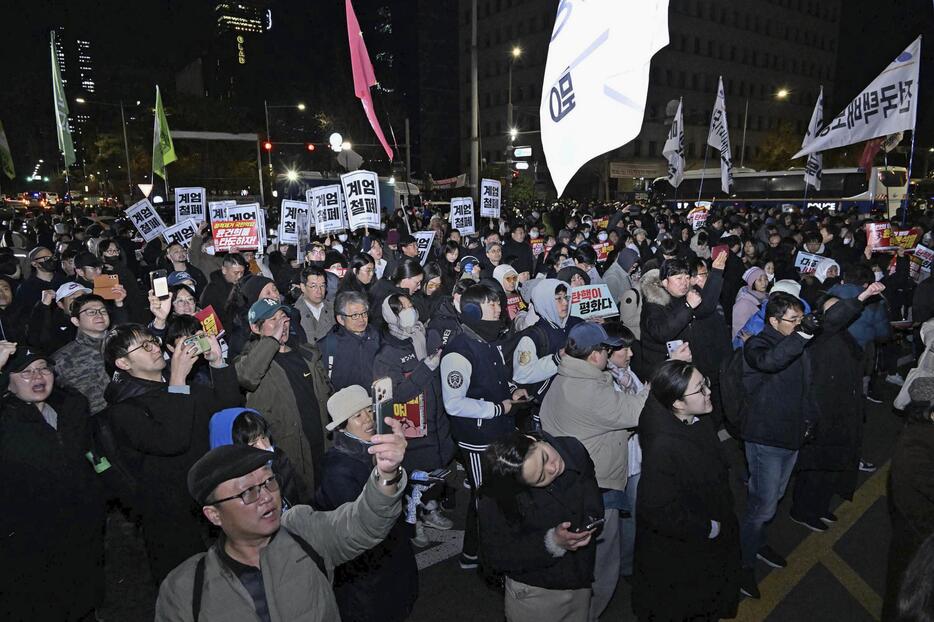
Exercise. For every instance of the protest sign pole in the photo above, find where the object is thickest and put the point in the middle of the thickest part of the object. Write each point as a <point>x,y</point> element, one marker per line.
<point>700,189</point>
<point>911,158</point>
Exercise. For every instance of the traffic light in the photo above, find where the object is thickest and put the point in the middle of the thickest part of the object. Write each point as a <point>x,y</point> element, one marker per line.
<point>515,175</point>
<point>310,146</point>
<point>267,146</point>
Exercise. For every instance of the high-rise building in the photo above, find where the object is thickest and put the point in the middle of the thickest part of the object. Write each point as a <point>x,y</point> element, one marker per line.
<point>77,70</point>
<point>774,55</point>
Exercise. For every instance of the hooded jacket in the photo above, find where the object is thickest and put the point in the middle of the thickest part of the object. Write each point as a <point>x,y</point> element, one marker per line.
<point>618,277</point>
<point>746,305</point>
<point>535,359</point>
<point>873,323</point>
<point>584,403</point>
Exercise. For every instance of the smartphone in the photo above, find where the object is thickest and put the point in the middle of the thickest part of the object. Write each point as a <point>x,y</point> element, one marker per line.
<point>673,345</point>
<point>201,342</point>
<point>592,525</point>
<point>382,403</point>
<point>717,250</point>
<point>159,281</point>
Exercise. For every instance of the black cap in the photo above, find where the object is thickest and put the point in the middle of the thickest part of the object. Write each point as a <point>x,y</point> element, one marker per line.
<point>221,464</point>
<point>22,358</point>
<point>87,259</point>
<point>405,239</point>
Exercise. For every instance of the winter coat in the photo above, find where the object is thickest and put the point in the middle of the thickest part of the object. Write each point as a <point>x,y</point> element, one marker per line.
<point>584,403</point>
<point>780,406</point>
<point>80,365</point>
<point>52,545</point>
<point>746,305</point>
<point>516,526</point>
<point>270,392</point>
<point>618,279</point>
<point>215,295</point>
<point>732,282</point>
<point>348,357</point>
<point>681,572</point>
<point>295,588</point>
<point>208,264</point>
<point>315,328</point>
<point>836,384</point>
<point>519,254</point>
<point>873,323</point>
<point>415,386</point>
<point>382,583</point>
<point>444,325</point>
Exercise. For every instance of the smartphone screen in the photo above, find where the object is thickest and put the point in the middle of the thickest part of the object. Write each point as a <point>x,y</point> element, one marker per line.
<point>160,283</point>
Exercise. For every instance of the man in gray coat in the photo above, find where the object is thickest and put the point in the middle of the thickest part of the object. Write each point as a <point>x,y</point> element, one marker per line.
<point>272,566</point>
<point>315,310</point>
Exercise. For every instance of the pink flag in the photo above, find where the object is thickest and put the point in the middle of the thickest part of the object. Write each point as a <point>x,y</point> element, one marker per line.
<point>363,76</point>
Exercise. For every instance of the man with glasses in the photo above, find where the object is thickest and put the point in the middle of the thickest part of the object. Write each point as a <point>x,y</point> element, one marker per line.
<point>80,363</point>
<point>160,424</point>
<point>778,415</point>
<point>273,566</point>
<point>315,310</point>
<point>584,403</point>
<point>349,350</point>
<point>53,516</point>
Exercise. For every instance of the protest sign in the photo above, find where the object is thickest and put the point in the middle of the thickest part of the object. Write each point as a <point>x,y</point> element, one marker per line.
<point>462,215</point>
<point>538,246</point>
<point>411,415</point>
<point>601,223</point>
<point>210,322</point>
<point>146,220</point>
<point>235,235</point>
<point>327,204</point>
<point>361,193</point>
<point>490,198</point>
<point>806,262</point>
<point>880,237</point>
<point>698,216</point>
<point>423,240</point>
<point>603,250</point>
<point>217,210</point>
<point>288,220</point>
<point>190,203</point>
<point>592,301</point>
<point>181,233</point>
<point>921,261</point>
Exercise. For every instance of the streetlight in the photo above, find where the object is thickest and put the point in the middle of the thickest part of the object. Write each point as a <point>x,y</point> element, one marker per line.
<point>301,106</point>
<point>513,132</point>
<point>126,144</point>
<point>781,94</point>
<point>266,107</point>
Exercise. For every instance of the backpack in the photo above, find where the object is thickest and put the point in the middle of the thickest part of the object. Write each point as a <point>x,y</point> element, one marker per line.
<point>733,393</point>
<point>199,572</point>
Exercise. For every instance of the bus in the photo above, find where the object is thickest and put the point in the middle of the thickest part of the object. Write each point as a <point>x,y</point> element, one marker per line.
<point>842,189</point>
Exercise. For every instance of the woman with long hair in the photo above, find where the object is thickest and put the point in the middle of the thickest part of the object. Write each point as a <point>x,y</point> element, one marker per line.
<point>361,272</point>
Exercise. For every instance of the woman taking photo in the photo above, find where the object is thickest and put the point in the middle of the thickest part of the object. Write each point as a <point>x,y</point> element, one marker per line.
<point>538,523</point>
<point>687,560</point>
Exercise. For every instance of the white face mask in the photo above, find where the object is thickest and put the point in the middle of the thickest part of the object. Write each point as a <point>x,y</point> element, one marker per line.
<point>533,233</point>
<point>342,237</point>
<point>408,317</point>
<point>602,236</point>
<point>337,247</point>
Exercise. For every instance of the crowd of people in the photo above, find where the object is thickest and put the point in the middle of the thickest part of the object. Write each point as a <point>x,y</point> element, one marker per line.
<point>289,465</point>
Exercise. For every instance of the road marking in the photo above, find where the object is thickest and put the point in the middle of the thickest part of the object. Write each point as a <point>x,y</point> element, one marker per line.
<point>446,544</point>
<point>817,548</point>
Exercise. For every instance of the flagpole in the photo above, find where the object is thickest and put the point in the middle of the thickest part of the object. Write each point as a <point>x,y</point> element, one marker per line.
<point>700,189</point>
<point>911,159</point>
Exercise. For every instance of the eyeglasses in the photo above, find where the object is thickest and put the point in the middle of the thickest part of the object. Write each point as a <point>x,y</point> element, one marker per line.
<point>187,301</point>
<point>150,345</point>
<point>35,373</point>
<point>95,312</point>
<point>251,494</point>
<point>792,320</point>
<point>705,388</point>
<point>356,316</point>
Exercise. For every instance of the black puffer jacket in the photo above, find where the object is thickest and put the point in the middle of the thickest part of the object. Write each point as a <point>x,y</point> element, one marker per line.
<point>514,537</point>
<point>444,325</point>
<point>680,572</point>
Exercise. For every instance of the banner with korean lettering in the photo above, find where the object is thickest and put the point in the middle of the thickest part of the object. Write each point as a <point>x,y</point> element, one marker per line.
<point>719,138</point>
<point>921,261</point>
<point>361,194</point>
<point>181,233</point>
<point>327,205</point>
<point>217,210</point>
<point>603,250</point>
<point>289,216</point>
<point>235,235</point>
<point>490,198</point>
<point>462,215</point>
<point>888,105</point>
<point>674,148</point>
<point>592,301</point>
<point>146,220</point>
<point>698,216</point>
<point>245,213</point>
<point>806,263</point>
<point>880,237</point>
<point>813,170</point>
<point>423,240</point>
<point>190,203</point>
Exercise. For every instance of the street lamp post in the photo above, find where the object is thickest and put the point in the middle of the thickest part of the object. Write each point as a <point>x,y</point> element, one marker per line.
<point>514,56</point>
<point>299,106</point>
<point>780,94</point>
<point>126,144</point>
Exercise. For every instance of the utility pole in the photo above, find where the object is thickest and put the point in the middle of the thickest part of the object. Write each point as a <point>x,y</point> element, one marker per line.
<point>126,149</point>
<point>474,107</point>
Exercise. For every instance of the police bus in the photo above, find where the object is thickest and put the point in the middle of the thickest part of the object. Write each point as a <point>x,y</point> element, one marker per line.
<point>842,189</point>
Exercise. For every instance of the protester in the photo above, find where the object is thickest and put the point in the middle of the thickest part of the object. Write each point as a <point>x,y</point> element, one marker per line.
<point>80,364</point>
<point>349,350</point>
<point>314,309</point>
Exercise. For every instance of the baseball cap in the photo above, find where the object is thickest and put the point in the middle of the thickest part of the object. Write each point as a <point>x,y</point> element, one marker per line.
<point>263,309</point>
<point>87,259</point>
<point>67,289</point>
<point>346,403</point>
<point>589,334</point>
<point>31,256</point>
<point>22,358</point>
<point>179,277</point>
<point>405,239</point>
<point>221,464</point>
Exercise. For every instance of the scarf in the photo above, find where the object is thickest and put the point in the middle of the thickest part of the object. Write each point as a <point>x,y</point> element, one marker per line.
<point>415,333</point>
<point>488,330</point>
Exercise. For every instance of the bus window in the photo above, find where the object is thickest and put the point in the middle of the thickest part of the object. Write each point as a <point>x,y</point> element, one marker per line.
<point>831,185</point>
<point>854,184</point>
<point>786,186</point>
<point>892,179</point>
<point>749,186</point>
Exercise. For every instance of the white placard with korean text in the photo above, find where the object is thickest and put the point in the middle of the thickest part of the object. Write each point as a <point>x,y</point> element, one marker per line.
<point>181,233</point>
<point>327,205</point>
<point>289,217</point>
<point>491,196</point>
<point>146,220</point>
<point>217,210</point>
<point>423,240</point>
<point>190,203</point>
<point>806,262</point>
<point>361,195</point>
<point>592,301</point>
<point>462,215</point>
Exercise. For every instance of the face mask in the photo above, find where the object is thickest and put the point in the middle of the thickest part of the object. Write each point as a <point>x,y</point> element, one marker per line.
<point>602,236</point>
<point>342,237</point>
<point>337,247</point>
<point>408,317</point>
<point>47,265</point>
<point>533,233</point>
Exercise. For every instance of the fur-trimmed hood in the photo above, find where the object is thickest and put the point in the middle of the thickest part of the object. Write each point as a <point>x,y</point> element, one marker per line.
<point>652,289</point>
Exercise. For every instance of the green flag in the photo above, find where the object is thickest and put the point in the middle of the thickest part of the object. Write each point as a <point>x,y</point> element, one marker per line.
<point>6,158</point>
<point>65,145</point>
<point>163,151</point>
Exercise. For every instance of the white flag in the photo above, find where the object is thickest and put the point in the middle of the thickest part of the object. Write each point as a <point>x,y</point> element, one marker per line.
<point>719,138</point>
<point>674,149</point>
<point>596,79</point>
<point>888,105</point>
<point>814,167</point>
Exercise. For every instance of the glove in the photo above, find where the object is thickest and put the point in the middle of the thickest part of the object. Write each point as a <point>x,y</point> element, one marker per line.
<point>810,325</point>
